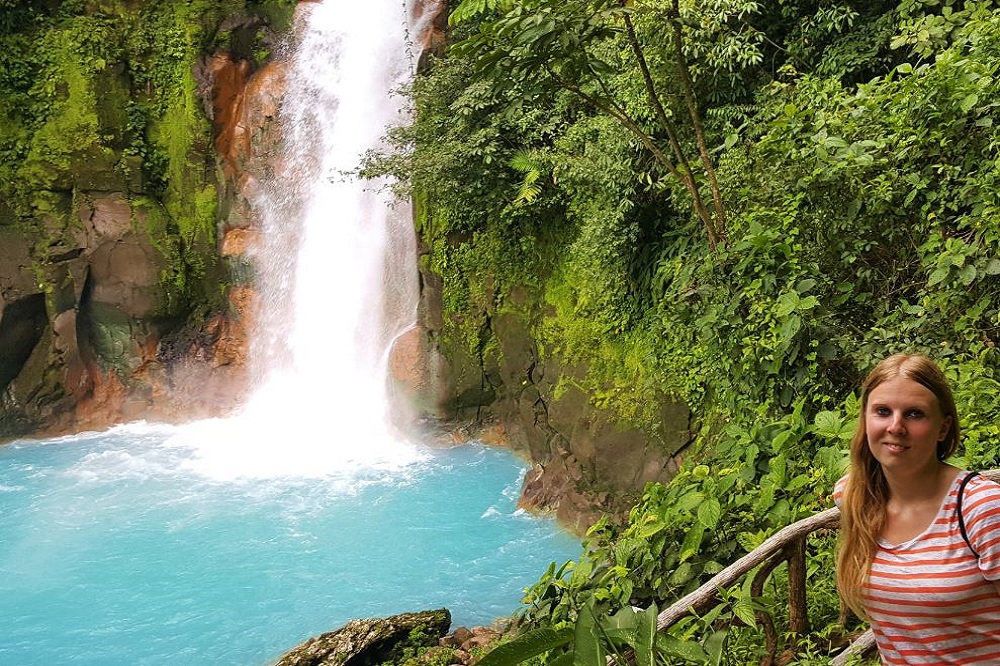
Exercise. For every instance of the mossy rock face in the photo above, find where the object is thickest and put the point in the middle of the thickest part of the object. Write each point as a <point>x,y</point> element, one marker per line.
<point>112,95</point>
<point>592,458</point>
<point>97,169</point>
<point>110,335</point>
<point>22,306</point>
<point>109,199</point>
<point>16,277</point>
<point>371,641</point>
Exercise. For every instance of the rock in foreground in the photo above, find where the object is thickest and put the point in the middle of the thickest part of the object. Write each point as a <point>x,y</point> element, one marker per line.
<point>371,641</point>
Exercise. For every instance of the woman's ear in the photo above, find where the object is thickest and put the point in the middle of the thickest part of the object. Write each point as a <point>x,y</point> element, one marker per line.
<point>945,427</point>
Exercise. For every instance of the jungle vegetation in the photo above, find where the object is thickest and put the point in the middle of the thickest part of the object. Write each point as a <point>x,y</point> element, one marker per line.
<point>735,204</point>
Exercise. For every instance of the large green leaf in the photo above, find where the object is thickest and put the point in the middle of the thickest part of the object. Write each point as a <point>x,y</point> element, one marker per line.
<point>687,650</point>
<point>645,642</point>
<point>709,513</point>
<point>714,645</point>
<point>526,646</point>
<point>587,645</point>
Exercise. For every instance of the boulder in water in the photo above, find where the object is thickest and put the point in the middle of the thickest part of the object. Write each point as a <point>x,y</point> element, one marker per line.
<point>371,641</point>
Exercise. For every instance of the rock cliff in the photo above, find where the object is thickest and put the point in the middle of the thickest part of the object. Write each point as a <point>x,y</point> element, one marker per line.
<point>85,323</point>
<point>123,289</point>
<point>586,461</point>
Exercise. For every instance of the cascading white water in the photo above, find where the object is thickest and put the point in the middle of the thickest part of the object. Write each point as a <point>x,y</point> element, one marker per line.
<point>354,286</point>
<point>336,271</point>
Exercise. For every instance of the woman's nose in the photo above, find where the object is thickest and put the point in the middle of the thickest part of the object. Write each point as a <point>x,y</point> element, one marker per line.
<point>896,425</point>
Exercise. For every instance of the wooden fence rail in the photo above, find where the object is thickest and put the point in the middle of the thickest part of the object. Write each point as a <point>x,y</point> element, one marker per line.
<point>786,545</point>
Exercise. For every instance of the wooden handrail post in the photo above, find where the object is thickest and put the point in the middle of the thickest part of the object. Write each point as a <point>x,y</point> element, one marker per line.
<point>798,616</point>
<point>764,617</point>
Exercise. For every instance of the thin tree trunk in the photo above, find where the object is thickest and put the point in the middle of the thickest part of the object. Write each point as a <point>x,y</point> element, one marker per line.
<point>687,86</point>
<point>686,177</point>
<point>661,113</point>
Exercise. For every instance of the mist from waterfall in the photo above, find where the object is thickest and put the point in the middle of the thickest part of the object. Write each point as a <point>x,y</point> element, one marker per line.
<point>335,268</point>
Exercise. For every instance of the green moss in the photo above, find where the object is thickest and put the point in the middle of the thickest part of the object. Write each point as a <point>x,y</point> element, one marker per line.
<point>160,230</point>
<point>110,334</point>
<point>71,128</point>
<point>112,101</point>
<point>206,204</point>
<point>278,13</point>
<point>420,648</point>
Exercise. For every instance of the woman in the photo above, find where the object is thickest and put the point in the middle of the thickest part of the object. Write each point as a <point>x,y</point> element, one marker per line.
<point>903,562</point>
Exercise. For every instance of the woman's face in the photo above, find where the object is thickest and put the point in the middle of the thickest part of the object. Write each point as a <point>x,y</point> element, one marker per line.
<point>904,423</point>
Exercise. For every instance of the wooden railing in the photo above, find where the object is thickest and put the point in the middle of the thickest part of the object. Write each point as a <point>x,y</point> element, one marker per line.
<point>786,545</point>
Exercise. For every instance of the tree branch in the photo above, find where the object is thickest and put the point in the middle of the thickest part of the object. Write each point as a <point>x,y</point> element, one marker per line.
<point>675,145</point>
<point>687,87</point>
<point>622,116</point>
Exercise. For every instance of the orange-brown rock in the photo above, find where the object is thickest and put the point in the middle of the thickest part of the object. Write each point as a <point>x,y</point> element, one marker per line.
<point>229,78</point>
<point>244,107</point>
<point>406,359</point>
<point>430,18</point>
<point>243,301</point>
<point>103,403</point>
<point>236,241</point>
<point>230,345</point>
<point>415,373</point>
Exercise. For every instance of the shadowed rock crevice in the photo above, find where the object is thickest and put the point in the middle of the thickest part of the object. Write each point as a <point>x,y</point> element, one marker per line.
<point>22,324</point>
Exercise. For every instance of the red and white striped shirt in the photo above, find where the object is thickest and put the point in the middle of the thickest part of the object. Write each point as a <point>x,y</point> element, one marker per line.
<point>929,600</point>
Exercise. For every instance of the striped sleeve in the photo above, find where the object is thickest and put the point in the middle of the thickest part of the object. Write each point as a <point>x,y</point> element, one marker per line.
<point>838,490</point>
<point>981,511</point>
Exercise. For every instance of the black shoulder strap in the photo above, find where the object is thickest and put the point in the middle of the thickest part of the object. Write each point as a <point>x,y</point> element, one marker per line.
<point>958,508</point>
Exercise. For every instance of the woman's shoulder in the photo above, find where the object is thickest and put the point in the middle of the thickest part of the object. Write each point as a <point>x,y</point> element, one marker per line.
<point>980,511</point>
<point>838,489</point>
<point>981,501</point>
<point>980,489</point>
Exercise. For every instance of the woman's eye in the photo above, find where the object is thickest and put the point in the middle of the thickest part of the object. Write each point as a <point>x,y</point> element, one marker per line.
<point>882,411</point>
<point>914,414</point>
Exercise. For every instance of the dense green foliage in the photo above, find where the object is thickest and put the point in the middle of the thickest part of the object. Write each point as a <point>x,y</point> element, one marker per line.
<point>857,152</point>
<point>102,96</point>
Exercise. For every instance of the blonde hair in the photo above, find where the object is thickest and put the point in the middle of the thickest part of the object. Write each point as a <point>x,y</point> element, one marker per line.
<point>866,492</point>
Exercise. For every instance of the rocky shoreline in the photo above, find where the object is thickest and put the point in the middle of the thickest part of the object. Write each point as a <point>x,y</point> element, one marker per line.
<point>409,639</point>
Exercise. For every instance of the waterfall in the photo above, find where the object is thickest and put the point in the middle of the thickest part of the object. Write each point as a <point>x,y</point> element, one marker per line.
<point>336,266</point>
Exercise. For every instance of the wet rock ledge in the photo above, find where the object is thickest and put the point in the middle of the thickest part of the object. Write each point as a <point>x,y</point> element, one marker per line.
<point>404,639</point>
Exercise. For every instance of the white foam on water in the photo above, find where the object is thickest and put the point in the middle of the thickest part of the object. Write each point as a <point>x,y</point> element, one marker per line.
<point>261,459</point>
<point>258,446</point>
